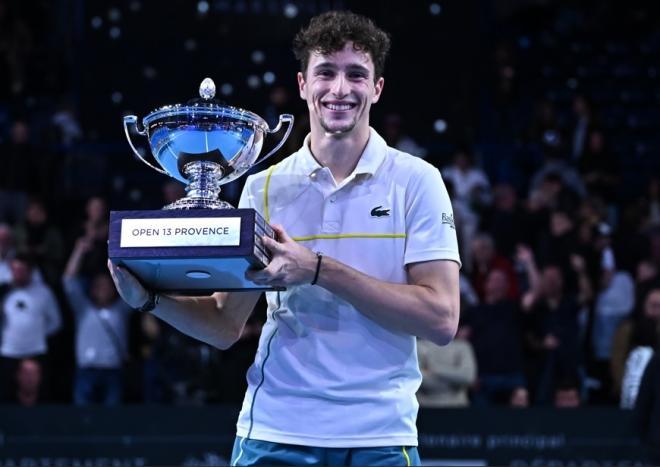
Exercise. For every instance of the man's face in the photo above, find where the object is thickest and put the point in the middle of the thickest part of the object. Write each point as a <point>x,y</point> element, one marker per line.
<point>339,89</point>
<point>21,272</point>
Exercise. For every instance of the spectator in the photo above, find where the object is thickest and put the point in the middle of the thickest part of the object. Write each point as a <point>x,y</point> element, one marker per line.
<point>614,301</point>
<point>567,393</point>
<point>448,372</point>
<point>29,315</point>
<point>486,259</point>
<point>553,334</point>
<point>506,220</point>
<point>635,331</point>
<point>28,383</point>
<point>647,410</point>
<point>40,239</point>
<point>101,332</point>
<point>583,112</point>
<point>95,228</point>
<point>493,328</point>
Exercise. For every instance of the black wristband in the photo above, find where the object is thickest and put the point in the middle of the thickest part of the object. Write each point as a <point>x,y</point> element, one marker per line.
<point>319,257</point>
<point>151,302</point>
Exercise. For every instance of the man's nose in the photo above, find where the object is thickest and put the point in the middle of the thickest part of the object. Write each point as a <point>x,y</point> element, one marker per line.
<point>340,86</point>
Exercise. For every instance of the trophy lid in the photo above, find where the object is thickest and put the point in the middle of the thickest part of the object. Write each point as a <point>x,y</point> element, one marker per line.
<point>204,106</point>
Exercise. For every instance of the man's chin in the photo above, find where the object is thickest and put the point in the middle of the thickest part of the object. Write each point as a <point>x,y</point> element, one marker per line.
<point>338,129</point>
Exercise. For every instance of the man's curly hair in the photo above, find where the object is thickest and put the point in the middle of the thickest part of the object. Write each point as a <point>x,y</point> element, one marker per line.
<point>330,31</point>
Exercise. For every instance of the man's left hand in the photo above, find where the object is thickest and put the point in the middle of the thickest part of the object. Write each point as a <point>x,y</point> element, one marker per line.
<point>291,263</point>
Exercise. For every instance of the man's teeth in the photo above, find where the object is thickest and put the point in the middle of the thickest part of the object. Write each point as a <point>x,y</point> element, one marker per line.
<point>338,106</point>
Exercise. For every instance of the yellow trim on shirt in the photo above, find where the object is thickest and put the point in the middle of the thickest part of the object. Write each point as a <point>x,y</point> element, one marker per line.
<point>350,235</point>
<point>266,211</point>
<point>405,454</point>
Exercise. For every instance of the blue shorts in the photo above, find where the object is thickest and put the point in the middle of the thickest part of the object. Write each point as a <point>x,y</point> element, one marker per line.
<point>255,452</point>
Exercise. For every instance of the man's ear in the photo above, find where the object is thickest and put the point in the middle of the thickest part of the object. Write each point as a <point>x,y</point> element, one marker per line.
<point>301,85</point>
<point>378,89</point>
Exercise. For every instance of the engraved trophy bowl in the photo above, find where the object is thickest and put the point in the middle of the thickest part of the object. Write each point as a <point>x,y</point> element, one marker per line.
<point>204,144</point>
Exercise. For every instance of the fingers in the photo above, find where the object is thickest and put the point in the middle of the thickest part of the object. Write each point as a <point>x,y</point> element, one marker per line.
<point>273,245</point>
<point>282,236</point>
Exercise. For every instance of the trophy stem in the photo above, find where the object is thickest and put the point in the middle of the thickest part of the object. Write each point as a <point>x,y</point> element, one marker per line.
<point>203,191</point>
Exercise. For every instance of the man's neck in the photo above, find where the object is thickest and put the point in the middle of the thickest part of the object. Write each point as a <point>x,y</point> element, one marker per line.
<point>339,152</point>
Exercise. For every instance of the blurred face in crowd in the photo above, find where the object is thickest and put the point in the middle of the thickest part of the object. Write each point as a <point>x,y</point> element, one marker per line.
<point>505,197</point>
<point>19,133</point>
<point>560,223</point>
<point>496,287</point>
<point>96,209</point>
<point>339,89</point>
<point>567,398</point>
<point>552,281</point>
<point>646,271</point>
<point>652,304</point>
<point>28,375</point>
<point>483,249</point>
<point>21,272</point>
<point>36,213</point>
<point>519,398</point>
<point>102,291</point>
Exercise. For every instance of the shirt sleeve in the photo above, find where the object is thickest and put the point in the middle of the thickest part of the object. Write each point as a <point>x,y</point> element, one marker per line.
<point>75,294</point>
<point>430,229</point>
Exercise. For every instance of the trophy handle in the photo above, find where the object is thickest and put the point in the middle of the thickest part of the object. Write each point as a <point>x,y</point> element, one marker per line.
<point>132,120</point>
<point>284,118</point>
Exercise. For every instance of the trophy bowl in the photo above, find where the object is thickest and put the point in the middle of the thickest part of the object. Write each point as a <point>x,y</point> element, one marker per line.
<point>204,144</point>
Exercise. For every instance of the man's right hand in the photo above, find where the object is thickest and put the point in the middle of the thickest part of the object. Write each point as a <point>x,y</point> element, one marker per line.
<point>129,288</point>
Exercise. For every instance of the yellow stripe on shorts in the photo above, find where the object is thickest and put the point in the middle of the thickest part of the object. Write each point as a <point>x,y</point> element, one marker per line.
<point>405,454</point>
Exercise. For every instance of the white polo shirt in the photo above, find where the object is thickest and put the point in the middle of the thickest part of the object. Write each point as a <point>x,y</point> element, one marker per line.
<point>325,374</point>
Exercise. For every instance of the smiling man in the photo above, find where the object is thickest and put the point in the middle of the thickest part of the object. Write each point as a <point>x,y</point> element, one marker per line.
<point>367,263</point>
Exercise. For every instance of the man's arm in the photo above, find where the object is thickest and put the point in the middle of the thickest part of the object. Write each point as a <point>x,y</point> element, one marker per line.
<point>217,320</point>
<point>427,306</point>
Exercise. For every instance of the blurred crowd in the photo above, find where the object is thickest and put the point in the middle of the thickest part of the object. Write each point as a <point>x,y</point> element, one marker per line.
<point>560,286</point>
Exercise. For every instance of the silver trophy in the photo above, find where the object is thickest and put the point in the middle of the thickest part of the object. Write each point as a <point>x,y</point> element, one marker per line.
<point>204,145</point>
<point>199,243</point>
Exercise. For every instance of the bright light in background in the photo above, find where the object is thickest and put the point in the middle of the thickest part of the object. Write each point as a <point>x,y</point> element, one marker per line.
<point>435,9</point>
<point>97,22</point>
<point>440,126</point>
<point>203,7</point>
<point>258,56</point>
<point>290,10</point>
<point>253,81</point>
<point>269,77</point>
<point>226,89</point>
<point>115,32</point>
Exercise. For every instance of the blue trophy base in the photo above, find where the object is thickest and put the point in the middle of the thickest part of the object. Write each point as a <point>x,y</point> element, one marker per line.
<point>190,252</point>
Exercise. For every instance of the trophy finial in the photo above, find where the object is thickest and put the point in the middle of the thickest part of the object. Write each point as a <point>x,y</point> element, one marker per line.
<point>207,89</point>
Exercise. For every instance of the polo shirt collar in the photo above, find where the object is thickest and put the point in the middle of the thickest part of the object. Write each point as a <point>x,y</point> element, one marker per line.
<point>371,159</point>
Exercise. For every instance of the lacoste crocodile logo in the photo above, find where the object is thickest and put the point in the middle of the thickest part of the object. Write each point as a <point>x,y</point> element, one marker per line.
<point>379,212</point>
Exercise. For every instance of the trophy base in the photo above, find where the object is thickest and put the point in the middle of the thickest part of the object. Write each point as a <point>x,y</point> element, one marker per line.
<point>190,251</point>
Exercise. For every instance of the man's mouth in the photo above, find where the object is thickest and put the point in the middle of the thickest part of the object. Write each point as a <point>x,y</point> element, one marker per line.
<point>339,106</point>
